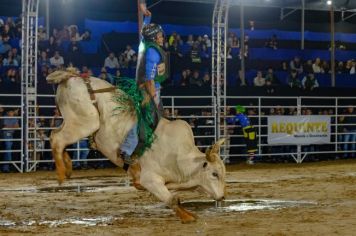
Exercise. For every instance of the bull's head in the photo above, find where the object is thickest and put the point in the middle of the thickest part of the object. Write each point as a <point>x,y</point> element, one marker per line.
<point>213,178</point>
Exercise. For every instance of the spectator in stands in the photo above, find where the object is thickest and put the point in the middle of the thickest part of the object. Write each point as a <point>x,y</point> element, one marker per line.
<point>235,42</point>
<point>190,40</point>
<point>340,67</point>
<point>55,34</point>
<point>10,123</point>
<point>271,77</point>
<point>41,33</point>
<point>272,42</point>
<point>82,154</point>
<point>10,60</point>
<point>167,113</point>
<point>129,52</point>
<point>43,74</point>
<point>63,35</point>
<point>206,80</point>
<point>259,81</point>
<point>229,39</point>
<point>57,60</point>
<point>4,47</point>
<point>349,130</point>
<point>175,51</point>
<point>56,121</point>
<point>309,82</point>
<point>184,79</point>
<point>252,25</point>
<point>207,41</point>
<point>293,80</point>
<point>348,66</point>
<point>103,74</point>
<point>308,67</point>
<point>7,32</point>
<point>284,66</point>
<point>86,36</point>
<point>73,33</point>
<point>172,38</point>
<point>325,66</point>
<point>229,53</point>
<point>179,40</point>
<point>111,62</point>
<point>199,41</point>
<point>317,66</point>
<point>246,48</point>
<point>296,64</point>
<point>52,46</point>
<point>16,55</point>
<point>74,52</point>
<point>11,76</point>
<point>43,60</point>
<point>353,67</point>
<point>196,79</point>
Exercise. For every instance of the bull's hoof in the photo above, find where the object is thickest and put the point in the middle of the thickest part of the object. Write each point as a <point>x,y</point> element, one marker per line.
<point>138,186</point>
<point>60,180</point>
<point>185,216</point>
<point>68,173</point>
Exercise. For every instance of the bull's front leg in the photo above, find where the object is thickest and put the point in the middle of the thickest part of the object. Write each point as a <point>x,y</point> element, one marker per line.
<point>156,185</point>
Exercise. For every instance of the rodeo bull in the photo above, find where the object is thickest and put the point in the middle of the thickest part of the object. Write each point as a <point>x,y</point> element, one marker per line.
<point>172,163</point>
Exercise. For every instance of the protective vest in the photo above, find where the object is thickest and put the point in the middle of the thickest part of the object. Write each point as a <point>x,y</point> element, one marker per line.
<point>162,72</point>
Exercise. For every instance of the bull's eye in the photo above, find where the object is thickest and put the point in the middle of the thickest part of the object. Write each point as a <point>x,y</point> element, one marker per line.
<point>215,175</point>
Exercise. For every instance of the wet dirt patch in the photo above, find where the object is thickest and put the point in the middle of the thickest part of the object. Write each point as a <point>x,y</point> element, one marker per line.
<point>243,205</point>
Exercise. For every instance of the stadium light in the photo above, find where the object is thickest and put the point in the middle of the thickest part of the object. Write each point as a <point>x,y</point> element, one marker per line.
<point>329,2</point>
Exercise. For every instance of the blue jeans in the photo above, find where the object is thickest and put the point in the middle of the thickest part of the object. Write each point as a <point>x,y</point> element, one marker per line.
<point>350,138</point>
<point>83,154</point>
<point>7,155</point>
<point>131,141</point>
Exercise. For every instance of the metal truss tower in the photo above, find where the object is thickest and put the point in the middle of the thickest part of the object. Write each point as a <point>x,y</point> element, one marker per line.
<point>30,10</point>
<point>219,64</point>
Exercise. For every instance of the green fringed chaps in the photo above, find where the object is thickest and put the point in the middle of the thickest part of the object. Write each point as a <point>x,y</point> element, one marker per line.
<point>134,95</point>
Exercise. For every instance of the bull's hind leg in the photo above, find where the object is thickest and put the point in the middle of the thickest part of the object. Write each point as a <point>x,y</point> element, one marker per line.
<point>156,186</point>
<point>68,134</point>
<point>68,164</point>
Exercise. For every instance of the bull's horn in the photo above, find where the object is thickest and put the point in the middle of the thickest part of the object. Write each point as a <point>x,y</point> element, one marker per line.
<point>212,153</point>
<point>216,146</point>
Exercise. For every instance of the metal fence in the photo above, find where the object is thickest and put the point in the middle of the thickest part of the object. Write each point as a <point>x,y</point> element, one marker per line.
<point>198,111</point>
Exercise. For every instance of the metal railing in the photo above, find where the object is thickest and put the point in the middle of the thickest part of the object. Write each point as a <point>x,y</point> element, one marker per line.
<point>198,111</point>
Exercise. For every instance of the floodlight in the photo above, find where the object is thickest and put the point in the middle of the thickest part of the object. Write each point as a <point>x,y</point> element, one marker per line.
<point>329,2</point>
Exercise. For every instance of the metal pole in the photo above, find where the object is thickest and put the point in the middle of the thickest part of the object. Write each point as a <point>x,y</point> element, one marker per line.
<point>299,147</point>
<point>47,20</point>
<point>332,51</point>
<point>303,24</point>
<point>140,19</point>
<point>242,48</point>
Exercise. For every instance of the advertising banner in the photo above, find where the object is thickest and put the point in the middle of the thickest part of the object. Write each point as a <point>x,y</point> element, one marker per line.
<point>298,130</point>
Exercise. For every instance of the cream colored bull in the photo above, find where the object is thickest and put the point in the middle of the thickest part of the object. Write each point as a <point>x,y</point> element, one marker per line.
<point>172,163</point>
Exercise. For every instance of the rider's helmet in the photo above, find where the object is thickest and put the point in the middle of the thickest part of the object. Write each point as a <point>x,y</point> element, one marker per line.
<point>149,32</point>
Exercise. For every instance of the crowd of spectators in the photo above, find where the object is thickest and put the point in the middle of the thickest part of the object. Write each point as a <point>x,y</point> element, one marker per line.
<point>190,59</point>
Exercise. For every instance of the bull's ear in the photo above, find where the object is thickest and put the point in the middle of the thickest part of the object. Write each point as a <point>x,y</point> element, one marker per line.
<point>216,146</point>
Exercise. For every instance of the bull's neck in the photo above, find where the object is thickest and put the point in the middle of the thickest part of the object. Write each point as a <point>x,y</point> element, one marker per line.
<point>193,167</point>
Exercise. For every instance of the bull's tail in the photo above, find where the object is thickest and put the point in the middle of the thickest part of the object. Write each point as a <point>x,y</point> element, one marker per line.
<point>60,76</point>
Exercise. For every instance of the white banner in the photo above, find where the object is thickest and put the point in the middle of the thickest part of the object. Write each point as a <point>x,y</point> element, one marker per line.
<point>296,130</point>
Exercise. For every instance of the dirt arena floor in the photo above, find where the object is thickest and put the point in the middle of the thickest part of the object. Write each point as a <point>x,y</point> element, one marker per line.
<point>93,202</point>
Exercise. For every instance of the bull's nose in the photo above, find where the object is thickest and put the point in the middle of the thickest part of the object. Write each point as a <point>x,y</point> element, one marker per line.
<point>221,199</point>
